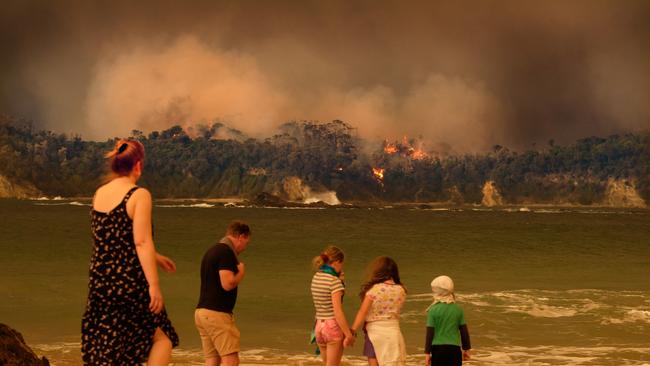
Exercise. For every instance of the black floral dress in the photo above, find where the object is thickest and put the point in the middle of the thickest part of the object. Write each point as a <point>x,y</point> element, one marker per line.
<point>117,326</point>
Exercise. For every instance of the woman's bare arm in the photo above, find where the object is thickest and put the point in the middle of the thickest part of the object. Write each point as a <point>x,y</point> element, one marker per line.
<point>144,246</point>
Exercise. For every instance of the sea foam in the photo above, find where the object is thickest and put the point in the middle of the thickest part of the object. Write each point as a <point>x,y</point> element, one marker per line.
<point>68,354</point>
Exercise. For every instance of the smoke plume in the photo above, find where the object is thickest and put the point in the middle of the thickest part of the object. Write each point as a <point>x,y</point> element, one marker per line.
<point>467,74</point>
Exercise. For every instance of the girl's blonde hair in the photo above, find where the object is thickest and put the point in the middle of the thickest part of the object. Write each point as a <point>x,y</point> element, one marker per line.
<point>328,255</point>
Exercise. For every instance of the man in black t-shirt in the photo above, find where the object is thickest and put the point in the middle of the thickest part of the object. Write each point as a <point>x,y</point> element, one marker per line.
<point>221,273</point>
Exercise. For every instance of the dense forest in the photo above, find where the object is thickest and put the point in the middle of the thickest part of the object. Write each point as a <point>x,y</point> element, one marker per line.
<point>217,161</point>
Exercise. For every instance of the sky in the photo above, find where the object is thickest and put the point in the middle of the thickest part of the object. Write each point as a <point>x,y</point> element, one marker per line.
<point>463,74</point>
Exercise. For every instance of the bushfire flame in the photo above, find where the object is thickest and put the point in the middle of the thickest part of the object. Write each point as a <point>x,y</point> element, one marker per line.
<point>405,148</point>
<point>390,148</point>
<point>418,154</point>
<point>378,173</point>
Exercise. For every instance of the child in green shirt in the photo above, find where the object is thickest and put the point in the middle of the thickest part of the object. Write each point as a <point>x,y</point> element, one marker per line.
<point>446,327</point>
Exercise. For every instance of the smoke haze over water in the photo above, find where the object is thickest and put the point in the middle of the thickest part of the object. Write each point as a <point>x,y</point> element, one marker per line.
<point>469,74</point>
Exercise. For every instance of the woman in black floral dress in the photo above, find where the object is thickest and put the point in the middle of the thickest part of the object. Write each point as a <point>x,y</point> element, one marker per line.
<point>125,322</point>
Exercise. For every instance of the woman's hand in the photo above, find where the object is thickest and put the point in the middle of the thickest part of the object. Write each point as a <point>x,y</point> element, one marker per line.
<point>156,305</point>
<point>165,263</point>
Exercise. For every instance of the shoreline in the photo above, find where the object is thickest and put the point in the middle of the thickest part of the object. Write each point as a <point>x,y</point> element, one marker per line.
<point>243,202</point>
<point>543,355</point>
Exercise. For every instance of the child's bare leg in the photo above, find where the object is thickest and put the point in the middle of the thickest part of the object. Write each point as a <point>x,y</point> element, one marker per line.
<point>372,361</point>
<point>334,353</point>
<point>161,350</point>
<point>323,352</point>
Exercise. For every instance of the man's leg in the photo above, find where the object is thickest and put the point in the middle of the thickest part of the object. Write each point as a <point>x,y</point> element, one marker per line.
<point>213,361</point>
<point>205,330</point>
<point>230,360</point>
<point>227,341</point>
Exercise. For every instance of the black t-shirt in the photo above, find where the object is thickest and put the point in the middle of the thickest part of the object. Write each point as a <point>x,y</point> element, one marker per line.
<point>213,296</point>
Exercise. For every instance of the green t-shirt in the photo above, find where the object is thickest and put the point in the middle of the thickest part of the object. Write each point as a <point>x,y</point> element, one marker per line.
<point>445,320</point>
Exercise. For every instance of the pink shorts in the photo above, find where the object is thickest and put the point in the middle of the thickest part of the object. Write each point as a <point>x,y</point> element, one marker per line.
<point>327,331</point>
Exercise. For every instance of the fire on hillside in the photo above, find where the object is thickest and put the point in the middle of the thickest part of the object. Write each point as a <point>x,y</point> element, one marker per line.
<point>410,148</point>
<point>378,173</point>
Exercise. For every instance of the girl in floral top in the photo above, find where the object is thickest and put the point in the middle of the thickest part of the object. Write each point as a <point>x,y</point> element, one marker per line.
<point>383,296</point>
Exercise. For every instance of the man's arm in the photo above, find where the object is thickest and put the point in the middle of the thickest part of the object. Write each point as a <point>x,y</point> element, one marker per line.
<point>230,280</point>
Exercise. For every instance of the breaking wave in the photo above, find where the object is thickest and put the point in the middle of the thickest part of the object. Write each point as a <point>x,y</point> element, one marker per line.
<point>44,198</point>
<point>328,197</point>
<point>71,203</point>
<point>606,307</point>
<point>193,205</point>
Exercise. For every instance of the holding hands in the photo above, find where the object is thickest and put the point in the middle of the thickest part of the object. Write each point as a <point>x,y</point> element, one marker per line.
<point>349,339</point>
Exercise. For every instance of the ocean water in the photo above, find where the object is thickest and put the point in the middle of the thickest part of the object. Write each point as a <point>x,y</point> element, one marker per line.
<point>550,286</point>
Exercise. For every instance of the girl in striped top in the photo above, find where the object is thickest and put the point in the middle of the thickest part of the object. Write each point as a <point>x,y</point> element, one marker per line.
<point>331,329</point>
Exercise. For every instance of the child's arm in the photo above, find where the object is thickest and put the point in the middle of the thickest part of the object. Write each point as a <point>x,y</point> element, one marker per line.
<point>427,344</point>
<point>464,338</point>
<point>429,339</point>
<point>362,313</point>
<point>339,315</point>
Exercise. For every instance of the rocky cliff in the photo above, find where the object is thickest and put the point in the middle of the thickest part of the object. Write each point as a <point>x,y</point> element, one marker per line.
<point>622,193</point>
<point>10,189</point>
<point>15,352</point>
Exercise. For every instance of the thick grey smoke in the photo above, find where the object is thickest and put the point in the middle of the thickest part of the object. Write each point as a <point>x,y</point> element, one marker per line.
<point>468,74</point>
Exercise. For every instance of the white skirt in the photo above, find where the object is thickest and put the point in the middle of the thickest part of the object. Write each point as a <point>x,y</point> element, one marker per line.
<point>388,342</point>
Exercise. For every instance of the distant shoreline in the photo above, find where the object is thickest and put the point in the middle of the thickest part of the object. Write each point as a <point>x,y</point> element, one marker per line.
<point>243,202</point>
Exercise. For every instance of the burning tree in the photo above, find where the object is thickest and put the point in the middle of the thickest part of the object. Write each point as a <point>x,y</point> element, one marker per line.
<point>410,148</point>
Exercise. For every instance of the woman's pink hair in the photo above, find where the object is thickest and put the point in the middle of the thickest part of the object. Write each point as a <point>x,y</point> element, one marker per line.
<point>124,156</point>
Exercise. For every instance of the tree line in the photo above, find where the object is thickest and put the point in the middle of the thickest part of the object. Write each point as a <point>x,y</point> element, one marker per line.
<point>217,161</point>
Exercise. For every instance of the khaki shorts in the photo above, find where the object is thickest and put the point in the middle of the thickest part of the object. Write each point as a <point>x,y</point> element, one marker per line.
<point>219,334</point>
